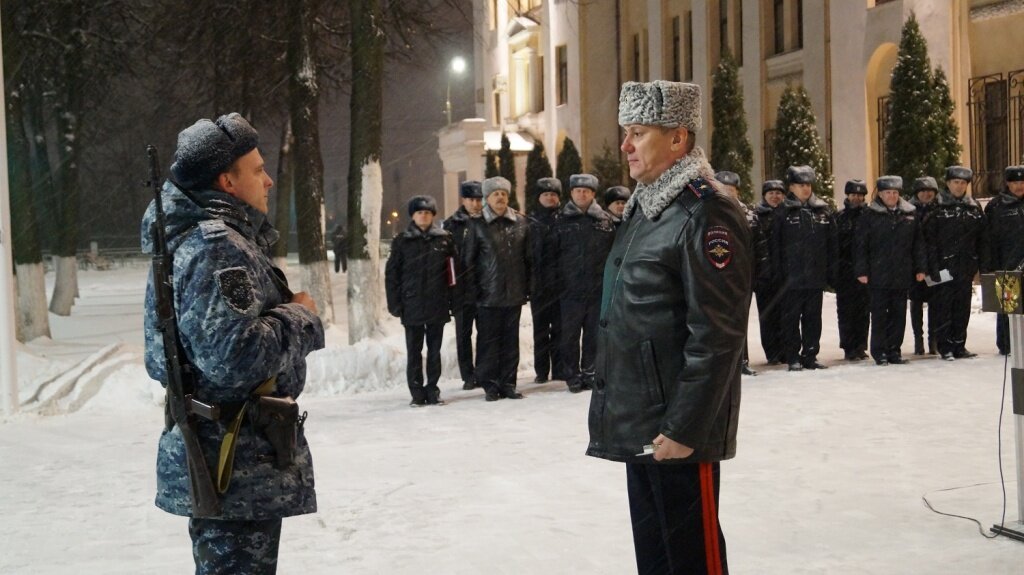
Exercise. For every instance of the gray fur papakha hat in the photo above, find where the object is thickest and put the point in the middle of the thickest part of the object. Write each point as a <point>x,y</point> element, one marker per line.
<point>889,183</point>
<point>660,103</point>
<point>583,181</point>
<point>470,189</point>
<point>549,185</point>
<point>959,173</point>
<point>772,186</point>
<point>728,178</point>
<point>800,175</point>
<point>856,187</point>
<point>208,149</point>
<point>419,203</point>
<point>494,184</point>
<point>1014,174</point>
<point>925,183</point>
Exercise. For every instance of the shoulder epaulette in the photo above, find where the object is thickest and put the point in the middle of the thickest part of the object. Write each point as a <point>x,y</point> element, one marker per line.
<point>701,188</point>
<point>212,229</point>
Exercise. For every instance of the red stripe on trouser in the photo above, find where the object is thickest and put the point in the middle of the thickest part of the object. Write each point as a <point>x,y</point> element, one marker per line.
<point>707,496</point>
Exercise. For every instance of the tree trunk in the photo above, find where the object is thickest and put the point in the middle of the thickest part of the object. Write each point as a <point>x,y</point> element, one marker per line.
<point>283,208</point>
<point>68,125</point>
<point>31,319</point>
<point>365,188</point>
<point>308,169</point>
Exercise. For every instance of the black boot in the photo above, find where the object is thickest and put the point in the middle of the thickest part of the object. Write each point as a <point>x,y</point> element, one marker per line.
<point>932,348</point>
<point>745,369</point>
<point>918,345</point>
<point>433,395</point>
<point>508,391</point>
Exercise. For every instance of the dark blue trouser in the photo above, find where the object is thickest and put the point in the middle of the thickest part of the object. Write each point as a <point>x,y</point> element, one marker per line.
<point>414,336</point>
<point>231,547</point>
<point>952,301</point>
<point>465,315</point>
<point>547,334</point>
<point>852,311</point>
<point>1003,333</point>
<point>579,337</point>
<point>674,512</point>
<point>769,315</point>
<point>801,324</point>
<point>497,342</point>
<point>888,322</point>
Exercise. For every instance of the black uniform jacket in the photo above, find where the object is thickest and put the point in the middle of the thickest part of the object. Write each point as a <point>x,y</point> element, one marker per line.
<point>846,232</point>
<point>804,244</point>
<point>673,322</point>
<point>890,248</point>
<point>498,259</point>
<point>584,239</point>
<point>765,215</point>
<point>416,276</point>
<point>952,234</point>
<point>457,225</point>
<point>546,287</point>
<point>1005,216</point>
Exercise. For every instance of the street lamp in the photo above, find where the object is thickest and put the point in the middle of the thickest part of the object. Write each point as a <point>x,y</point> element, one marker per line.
<point>458,66</point>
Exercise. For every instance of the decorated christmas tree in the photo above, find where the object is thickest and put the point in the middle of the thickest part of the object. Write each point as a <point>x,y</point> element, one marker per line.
<point>797,142</point>
<point>730,148</point>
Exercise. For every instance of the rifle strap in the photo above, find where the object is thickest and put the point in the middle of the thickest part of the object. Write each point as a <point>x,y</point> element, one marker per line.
<point>226,458</point>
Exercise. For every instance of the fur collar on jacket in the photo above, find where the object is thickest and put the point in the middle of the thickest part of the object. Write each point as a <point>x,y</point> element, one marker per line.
<point>461,215</point>
<point>1005,197</point>
<point>414,231</point>
<point>880,207</point>
<point>571,210</point>
<point>490,216</point>
<point>653,199</point>
<point>945,198</point>
<point>813,202</point>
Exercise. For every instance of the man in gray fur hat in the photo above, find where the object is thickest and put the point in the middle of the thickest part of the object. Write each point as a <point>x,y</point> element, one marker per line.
<point>243,334</point>
<point>674,305</point>
<point>499,263</point>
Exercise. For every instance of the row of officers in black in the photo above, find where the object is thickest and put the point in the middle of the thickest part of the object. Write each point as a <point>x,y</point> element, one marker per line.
<point>487,260</point>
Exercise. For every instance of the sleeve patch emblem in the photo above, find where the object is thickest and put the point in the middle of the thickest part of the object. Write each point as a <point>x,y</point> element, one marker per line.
<point>237,289</point>
<point>718,247</point>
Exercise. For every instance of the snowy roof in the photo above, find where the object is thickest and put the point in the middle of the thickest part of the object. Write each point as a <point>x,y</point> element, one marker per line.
<point>520,142</point>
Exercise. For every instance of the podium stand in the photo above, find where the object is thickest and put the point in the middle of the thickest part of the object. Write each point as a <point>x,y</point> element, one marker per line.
<point>1001,293</point>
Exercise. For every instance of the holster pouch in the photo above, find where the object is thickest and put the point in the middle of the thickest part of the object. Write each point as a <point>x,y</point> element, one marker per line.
<point>277,418</point>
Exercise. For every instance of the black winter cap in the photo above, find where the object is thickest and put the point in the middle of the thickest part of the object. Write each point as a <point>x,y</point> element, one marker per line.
<point>889,183</point>
<point>418,203</point>
<point>583,181</point>
<point>800,175</point>
<point>471,189</point>
<point>728,178</point>
<point>208,149</point>
<point>772,186</point>
<point>616,193</point>
<point>856,187</point>
<point>1014,173</point>
<point>959,173</point>
<point>925,183</point>
<point>549,185</point>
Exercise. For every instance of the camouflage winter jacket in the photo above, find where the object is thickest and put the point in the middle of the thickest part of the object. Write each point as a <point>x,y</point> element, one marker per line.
<point>237,329</point>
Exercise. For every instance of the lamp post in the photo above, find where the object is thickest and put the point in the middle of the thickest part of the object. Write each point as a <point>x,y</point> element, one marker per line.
<point>458,66</point>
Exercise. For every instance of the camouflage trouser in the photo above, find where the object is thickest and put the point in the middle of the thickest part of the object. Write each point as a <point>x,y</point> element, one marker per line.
<point>222,547</point>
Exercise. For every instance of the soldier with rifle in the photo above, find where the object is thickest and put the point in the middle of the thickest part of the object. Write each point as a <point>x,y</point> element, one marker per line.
<point>228,340</point>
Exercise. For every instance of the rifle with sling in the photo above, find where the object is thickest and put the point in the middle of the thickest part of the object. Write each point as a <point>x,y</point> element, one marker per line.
<point>182,407</point>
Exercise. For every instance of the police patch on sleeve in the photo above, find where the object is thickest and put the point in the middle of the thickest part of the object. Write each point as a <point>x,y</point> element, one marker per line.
<point>718,246</point>
<point>237,289</point>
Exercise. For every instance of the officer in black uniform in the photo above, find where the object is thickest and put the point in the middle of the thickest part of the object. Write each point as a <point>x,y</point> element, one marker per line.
<point>804,256</point>
<point>923,201</point>
<point>465,308</point>
<point>769,297</point>
<point>1005,218</point>
<point>546,290</point>
<point>953,235</point>
<point>615,199</point>
<point>852,299</point>
<point>889,257</point>
<point>731,185</point>
<point>585,235</point>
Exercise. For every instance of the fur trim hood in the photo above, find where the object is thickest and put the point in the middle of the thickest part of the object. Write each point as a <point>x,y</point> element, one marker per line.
<point>653,199</point>
<point>945,198</point>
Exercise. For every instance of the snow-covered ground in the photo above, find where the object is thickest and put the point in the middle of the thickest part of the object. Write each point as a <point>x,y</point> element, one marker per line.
<point>829,476</point>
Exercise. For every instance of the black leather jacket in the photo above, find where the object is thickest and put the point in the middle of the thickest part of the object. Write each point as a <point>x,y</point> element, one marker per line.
<point>416,276</point>
<point>546,287</point>
<point>457,225</point>
<point>584,239</point>
<point>890,247</point>
<point>952,234</point>
<point>677,286</point>
<point>1005,217</point>
<point>498,259</point>
<point>804,246</point>
<point>846,234</point>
